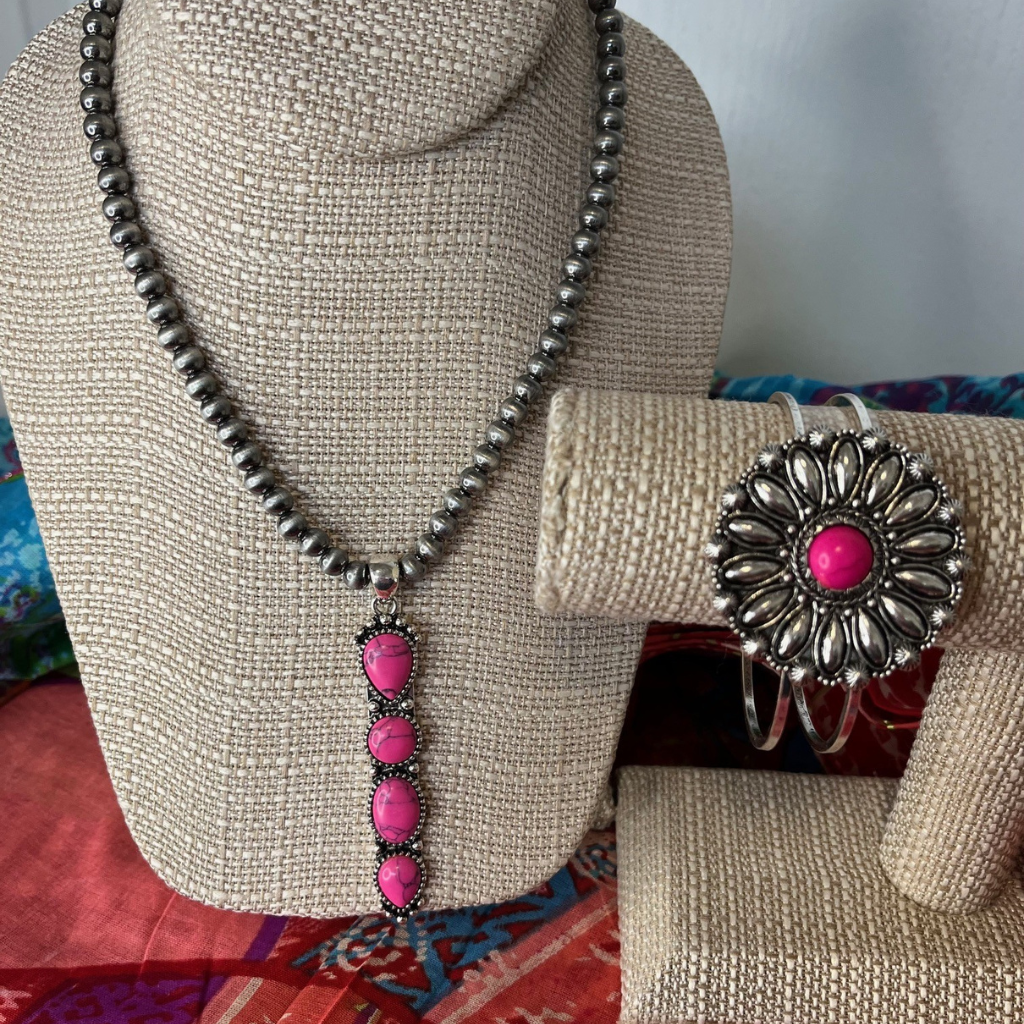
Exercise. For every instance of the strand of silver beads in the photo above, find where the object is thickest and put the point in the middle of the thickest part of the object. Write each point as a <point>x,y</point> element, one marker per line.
<point>202,385</point>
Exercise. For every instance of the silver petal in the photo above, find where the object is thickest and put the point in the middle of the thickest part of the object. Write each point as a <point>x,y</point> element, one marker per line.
<point>805,474</point>
<point>906,618</point>
<point>831,644</point>
<point>924,582</point>
<point>912,505</point>
<point>792,635</point>
<point>926,543</point>
<point>845,468</point>
<point>872,642</point>
<point>748,570</point>
<point>884,479</point>
<point>773,496</point>
<point>753,531</point>
<point>764,607</point>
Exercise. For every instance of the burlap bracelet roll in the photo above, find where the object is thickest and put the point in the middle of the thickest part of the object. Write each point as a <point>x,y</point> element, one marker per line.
<point>631,491</point>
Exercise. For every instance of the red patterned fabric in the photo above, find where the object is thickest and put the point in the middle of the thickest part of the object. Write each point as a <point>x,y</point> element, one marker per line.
<point>88,933</point>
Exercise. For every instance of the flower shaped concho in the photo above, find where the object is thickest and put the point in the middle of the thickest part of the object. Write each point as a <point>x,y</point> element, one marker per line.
<point>838,557</point>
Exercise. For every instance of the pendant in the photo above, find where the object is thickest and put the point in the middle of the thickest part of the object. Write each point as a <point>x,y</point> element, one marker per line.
<point>387,648</point>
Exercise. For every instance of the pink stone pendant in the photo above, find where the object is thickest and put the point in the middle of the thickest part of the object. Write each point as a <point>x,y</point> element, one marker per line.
<point>387,654</point>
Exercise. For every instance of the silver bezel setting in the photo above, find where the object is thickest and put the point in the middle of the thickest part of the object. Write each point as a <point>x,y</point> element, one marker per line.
<point>411,844</point>
<point>765,587</point>
<point>400,913</point>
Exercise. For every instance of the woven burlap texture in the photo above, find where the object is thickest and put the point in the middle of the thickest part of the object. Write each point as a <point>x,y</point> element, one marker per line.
<point>757,898</point>
<point>631,493</point>
<point>362,207</point>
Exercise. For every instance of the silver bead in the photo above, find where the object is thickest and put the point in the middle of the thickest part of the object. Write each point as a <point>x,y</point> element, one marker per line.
<point>472,481</point>
<point>232,431</point>
<point>611,119</point>
<point>609,143</point>
<point>553,343</point>
<point>138,258</point>
<point>486,458</point>
<point>96,23</point>
<point>94,72</point>
<point>593,217</point>
<point>278,500</point>
<point>428,547</point>
<point>598,6</point>
<point>513,411</point>
<point>313,543</point>
<point>586,242</point>
<point>499,435</point>
<point>173,336</point>
<point>201,385</point>
<point>114,179</point>
<point>526,389</point>
<point>569,292</point>
<point>150,284</point>
<point>259,481</point>
<point>162,310</point>
<point>442,524</point>
<point>611,44</point>
<point>614,94</point>
<point>332,562</point>
<point>99,126</point>
<point>291,525</point>
<point>105,152</point>
<point>96,48</point>
<point>611,69</point>
<point>215,410</point>
<point>541,366</point>
<point>456,502</point>
<point>563,318</point>
<point>609,20</point>
<point>96,100</point>
<point>601,193</point>
<point>247,456</point>
<point>188,359</point>
<point>577,267</point>
<point>411,566</point>
<point>384,575</point>
<point>124,233</point>
<point>111,7</point>
<point>604,168</point>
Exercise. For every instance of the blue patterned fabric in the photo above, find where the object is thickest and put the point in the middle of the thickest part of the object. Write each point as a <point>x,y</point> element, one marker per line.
<point>33,639</point>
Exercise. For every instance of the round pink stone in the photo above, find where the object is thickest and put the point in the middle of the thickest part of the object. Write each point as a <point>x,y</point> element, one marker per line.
<point>387,659</point>
<point>840,557</point>
<point>392,739</point>
<point>399,879</point>
<point>396,810</point>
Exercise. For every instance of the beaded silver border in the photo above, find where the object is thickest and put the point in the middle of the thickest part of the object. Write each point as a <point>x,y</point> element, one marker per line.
<point>765,587</point>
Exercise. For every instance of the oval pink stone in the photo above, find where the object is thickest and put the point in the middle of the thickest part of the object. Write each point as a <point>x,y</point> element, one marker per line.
<point>399,879</point>
<point>840,557</point>
<point>392,739</point>
<point>396,810</point>
<point>387,659</point>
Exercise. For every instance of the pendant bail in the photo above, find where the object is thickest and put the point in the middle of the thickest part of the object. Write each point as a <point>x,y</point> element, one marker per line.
<point>384,577</point>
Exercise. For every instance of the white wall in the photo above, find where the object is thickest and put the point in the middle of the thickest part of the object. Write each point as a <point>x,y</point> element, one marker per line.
<point>876,149</point>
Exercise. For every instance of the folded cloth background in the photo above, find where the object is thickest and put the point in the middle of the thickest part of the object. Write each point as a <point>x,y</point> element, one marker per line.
<point>89,932</point>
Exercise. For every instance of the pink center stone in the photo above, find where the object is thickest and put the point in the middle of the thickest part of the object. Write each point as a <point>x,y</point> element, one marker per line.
<point>392,739</point>
<point>399,879</point>
<point>840,557</point>
<point>387,659</point>
<point>396,810</point>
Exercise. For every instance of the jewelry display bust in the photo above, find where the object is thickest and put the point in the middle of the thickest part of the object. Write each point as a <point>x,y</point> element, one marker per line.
<point>362,210</point>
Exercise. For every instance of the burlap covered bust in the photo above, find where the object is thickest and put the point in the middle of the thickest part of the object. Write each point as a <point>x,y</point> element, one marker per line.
<point>362,207</point>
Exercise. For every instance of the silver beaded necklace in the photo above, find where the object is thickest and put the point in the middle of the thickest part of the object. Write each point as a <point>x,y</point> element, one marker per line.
<point>387,643</point>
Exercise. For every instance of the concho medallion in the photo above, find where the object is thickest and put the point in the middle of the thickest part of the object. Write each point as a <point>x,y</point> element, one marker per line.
<point>838,557</point>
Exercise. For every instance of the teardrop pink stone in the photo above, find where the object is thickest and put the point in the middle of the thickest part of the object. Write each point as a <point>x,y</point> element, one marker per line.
<point>392,739</point>
<point>399,879</point>
<point>396,810</point>
<point>387,659</point>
